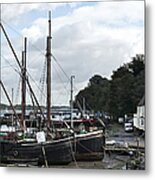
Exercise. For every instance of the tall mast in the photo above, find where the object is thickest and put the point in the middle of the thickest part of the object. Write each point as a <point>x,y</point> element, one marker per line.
<point>18,62</point>
<point>71,101</point>
<point>23,73</point>
<point>84,107</point>
<point>48,56</point>
<point>0,52</point>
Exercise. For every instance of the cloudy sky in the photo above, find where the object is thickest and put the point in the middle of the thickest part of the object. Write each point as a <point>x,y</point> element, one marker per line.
<point>87,38</point>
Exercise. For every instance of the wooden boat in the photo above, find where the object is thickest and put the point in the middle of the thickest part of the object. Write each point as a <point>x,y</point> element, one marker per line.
<point>54,152</point>
<point>45,152</point>
<point>86,146</point>
<point>89,135</point>
<point>88,139</point>
<point>89,146</point>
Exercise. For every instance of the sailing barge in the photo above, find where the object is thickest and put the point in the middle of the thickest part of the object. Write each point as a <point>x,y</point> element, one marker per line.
<point>50,150</point>
<point>89,146</point>
<point>54,152</point>
<point>88,138</point>
<point>89,135</point>
<point>42,152</point>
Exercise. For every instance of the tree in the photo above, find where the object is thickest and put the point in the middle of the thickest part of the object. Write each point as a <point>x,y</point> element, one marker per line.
<point>95,93</point>
<point>137,65</point>
<point>127,87</point>
<point>121,94</point>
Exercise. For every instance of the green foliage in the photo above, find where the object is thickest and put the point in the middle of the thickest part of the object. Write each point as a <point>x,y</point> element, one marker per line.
<point>121,94</point>
<point>95,94</point>
<point>121,88</point>
<point>137,64</point>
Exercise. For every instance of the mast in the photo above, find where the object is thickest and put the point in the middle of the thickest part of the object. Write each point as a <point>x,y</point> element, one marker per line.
<point>84,108</point>
<point>71,101</point>
<point>0,52</point>
<point>20,66</point>
<point>12,98</point>
<point>48,56</point>
<point>23,74</point>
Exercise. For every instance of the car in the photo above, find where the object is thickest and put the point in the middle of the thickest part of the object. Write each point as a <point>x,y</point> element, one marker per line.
<point>128,127</point>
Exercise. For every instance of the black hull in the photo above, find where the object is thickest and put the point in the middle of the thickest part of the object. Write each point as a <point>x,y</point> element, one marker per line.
<point>58,153</point>
<point>90,146</point>
<point>49,153</point>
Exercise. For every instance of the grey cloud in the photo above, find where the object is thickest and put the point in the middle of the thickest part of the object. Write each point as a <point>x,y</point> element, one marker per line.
<point>83,47</point>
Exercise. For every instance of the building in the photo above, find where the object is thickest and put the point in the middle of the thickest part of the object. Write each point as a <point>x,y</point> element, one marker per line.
<point>139,117</point>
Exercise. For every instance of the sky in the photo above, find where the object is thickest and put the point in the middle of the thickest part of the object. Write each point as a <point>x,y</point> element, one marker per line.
<point>88,38</point>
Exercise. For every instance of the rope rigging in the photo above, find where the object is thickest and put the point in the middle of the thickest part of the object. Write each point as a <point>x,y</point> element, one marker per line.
<point>18,91</point>
<point>40,88</point>
<point>42,82</point>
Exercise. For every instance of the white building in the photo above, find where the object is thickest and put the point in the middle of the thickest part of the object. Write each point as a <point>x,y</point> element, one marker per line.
<point>139,117</point>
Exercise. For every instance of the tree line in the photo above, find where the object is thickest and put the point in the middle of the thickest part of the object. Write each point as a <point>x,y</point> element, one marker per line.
<point>118,95</point>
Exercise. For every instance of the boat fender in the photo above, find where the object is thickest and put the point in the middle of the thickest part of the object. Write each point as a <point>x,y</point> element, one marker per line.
<point>40,137</point>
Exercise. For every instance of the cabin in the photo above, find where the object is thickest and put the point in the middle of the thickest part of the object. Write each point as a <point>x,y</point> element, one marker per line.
<point>64,113</point>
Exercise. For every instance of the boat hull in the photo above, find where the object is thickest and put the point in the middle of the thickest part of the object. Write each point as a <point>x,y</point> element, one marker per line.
<point>89,146</point>
<point>58,153</point>
<point>48,153</point>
